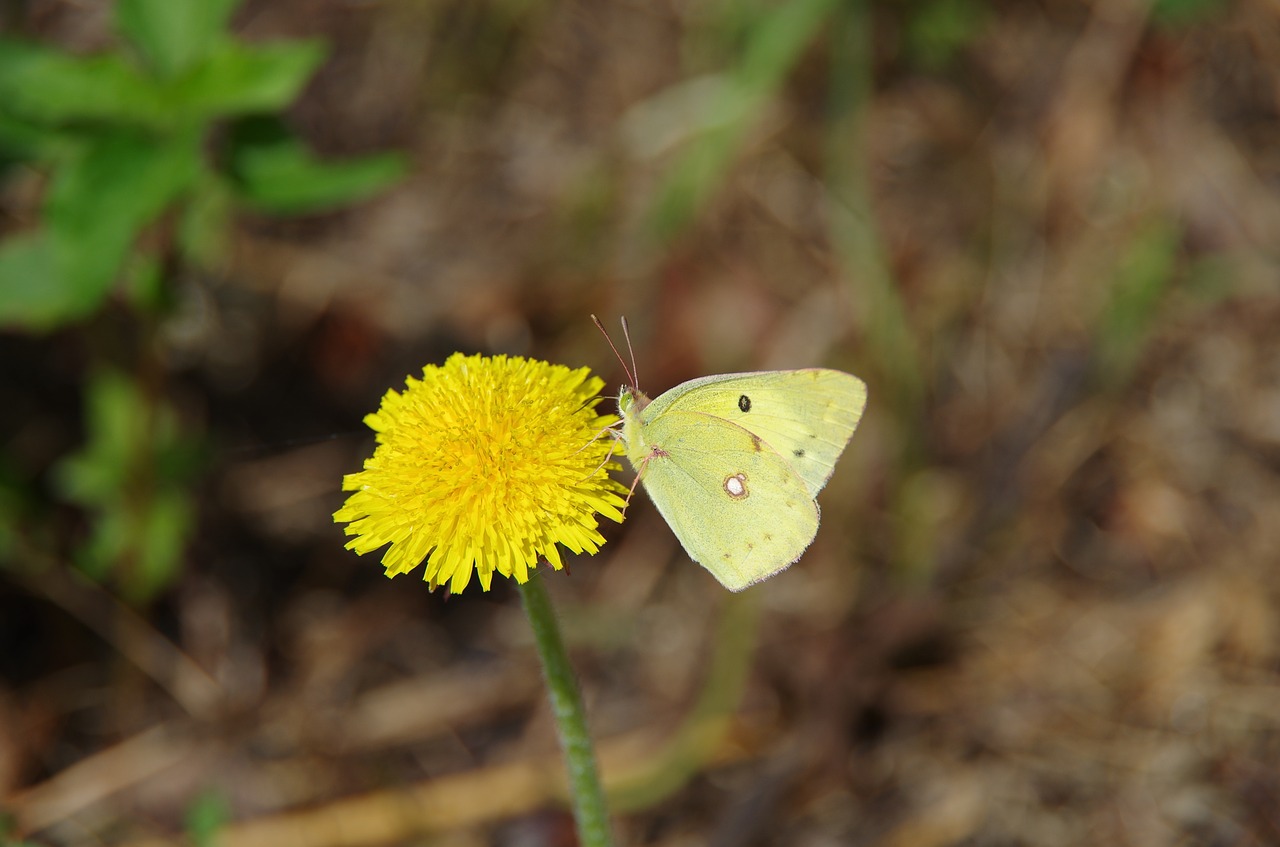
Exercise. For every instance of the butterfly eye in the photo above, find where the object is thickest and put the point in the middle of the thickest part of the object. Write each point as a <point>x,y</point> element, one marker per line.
<point>744,403</point>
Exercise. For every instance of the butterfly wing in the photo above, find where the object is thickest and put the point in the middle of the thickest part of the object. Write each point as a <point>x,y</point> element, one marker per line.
<point>805,416</point>
<point>738,508</point>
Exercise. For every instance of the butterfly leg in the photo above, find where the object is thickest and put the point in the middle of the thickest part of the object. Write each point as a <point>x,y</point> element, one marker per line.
<point>615,435</point>
<point>636,482</point>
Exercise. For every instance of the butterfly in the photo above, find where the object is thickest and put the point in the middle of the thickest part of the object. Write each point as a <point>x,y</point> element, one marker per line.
<point>734,462</point>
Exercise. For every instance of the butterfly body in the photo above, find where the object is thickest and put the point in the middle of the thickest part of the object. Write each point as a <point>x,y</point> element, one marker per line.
<point>733,462</point>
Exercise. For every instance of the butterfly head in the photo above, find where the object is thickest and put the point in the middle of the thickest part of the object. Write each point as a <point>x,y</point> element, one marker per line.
<point>631,402</point>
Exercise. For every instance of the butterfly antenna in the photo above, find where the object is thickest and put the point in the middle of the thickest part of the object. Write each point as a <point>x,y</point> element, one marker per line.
<point>631,378</point>
<point>635,372</point>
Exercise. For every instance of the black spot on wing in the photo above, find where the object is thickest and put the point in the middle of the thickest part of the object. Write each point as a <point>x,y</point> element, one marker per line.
<point>744,403</point>
<point>799,453</point>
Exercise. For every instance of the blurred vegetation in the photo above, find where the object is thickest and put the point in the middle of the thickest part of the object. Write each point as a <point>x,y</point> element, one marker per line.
<point>145,153</point>
<point>208,814</point>
<point>122,137</point>
<point>131,477</point>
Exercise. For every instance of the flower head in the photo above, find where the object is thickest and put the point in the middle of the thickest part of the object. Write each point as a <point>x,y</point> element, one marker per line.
<point>484,463</point>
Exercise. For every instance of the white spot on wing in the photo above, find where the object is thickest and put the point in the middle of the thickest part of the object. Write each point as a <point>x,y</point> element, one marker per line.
<point>736,486</point>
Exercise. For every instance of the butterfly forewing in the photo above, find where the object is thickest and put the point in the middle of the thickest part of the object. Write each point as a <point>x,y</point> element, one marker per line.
<point>804,416</point>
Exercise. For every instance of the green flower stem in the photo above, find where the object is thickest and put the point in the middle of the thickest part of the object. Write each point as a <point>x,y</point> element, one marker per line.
<point>589,809</point>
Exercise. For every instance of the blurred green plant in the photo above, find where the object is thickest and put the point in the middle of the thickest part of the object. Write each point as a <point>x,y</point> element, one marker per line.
<point>1179,13</point>
<point>891,342</point>
<point>143,155</point>
<point>124,139</point>
<point>728,106</point>
<point>131,477</point>
<point>939,29</point>
<point>710,119</point>
<point>1138,293</point>
<point>7,826</point>
<point>207,814</point>
<point>718,111</point>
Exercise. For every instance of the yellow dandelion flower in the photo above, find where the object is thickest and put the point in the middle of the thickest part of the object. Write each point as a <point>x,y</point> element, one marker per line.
<point>485,464</point>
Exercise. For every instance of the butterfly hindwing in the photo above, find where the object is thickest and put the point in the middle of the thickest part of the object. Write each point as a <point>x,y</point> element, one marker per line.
<point>738,509</point>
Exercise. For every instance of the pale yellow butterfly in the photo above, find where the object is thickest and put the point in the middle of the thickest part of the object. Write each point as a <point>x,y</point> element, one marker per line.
<point>734,462</point>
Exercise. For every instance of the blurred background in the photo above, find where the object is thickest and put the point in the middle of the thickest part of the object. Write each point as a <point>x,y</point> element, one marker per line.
<point>1041,608</point>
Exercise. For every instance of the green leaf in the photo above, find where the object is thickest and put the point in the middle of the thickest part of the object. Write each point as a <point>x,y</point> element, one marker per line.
<point>50,87</point>
<point>161,539</point>
<point>283,177</point>
<point>229,78</point>
<point>21,138</point>
<point>115,422</point>
<point>241,79</point>
<point>173,35</point>
<point>32,293</point>
<point>107,546</point>
<point>99,202</point>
